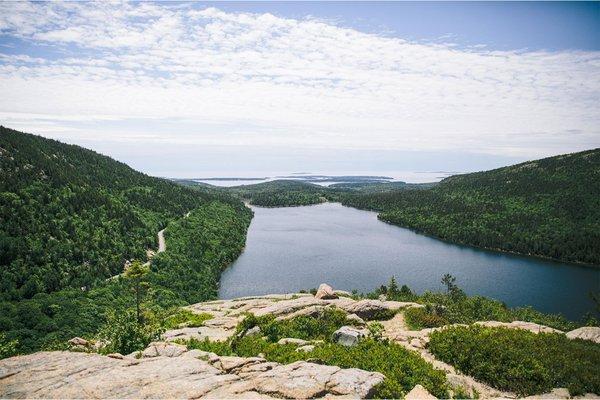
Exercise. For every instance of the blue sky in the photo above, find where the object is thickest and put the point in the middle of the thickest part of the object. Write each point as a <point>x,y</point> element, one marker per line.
<point>186,89</point>
<point>497,25</point>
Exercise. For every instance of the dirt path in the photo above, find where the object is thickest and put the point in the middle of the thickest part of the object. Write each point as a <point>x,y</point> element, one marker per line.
<point>162,246</point>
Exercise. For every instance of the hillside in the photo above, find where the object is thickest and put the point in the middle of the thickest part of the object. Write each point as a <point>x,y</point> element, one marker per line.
<point>71,218</point>
<point>548,208</point>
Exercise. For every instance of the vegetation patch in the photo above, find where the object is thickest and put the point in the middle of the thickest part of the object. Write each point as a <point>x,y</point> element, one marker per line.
<point>402,368</point>
<point>454,307</point>
<point>281,193</point>
<point>302,327</point>
<point>520,361</point>
<point>183,317</point>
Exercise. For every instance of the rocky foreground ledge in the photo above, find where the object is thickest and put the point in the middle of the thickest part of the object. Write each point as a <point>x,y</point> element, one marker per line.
<point>168,370</point>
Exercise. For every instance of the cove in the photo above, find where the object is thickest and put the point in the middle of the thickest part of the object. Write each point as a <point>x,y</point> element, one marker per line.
<point>294,248</point>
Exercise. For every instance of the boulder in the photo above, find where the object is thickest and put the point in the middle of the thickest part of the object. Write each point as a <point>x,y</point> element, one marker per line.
<point>586,333</point>
<point>325,292</point>
<point>117,356</point>
<point>419,393</point>
<point>348,335</point>
<point>77,341</point>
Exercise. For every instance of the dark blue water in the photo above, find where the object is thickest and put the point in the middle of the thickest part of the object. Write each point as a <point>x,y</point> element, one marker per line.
<point>295,248</point>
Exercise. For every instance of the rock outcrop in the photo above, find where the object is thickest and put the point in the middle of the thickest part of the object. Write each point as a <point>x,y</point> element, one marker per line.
<point>325,292</point>
<point>228,313</point>
<point>165,371</point>
<point>586,333</point>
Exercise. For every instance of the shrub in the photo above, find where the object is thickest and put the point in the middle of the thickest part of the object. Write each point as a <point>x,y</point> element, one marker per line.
<point>8,348</point>
<point>402,368</point>
<point>124,334</point>
<point>381,315</point>
<point>463,309</point>
<point>220,348</point>
<point>428,317</point>
<point>302,327</point>
<point>184,316</point>
<point>520,361</point>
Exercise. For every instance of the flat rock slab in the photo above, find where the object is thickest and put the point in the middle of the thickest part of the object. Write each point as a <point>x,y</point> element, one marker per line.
<point>170,373</point>
<point>586,333</point>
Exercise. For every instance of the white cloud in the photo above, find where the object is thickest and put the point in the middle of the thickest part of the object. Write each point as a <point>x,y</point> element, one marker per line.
<point>287,82</point>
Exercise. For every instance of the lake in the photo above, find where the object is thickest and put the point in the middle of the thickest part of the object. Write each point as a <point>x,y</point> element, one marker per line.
<point>294,248</point>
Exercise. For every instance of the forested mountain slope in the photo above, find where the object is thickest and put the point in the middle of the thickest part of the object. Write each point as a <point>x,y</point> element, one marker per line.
<point>548,208</point>
<point>70,218</point>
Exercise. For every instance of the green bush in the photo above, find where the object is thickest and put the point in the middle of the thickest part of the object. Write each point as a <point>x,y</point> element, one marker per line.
<point>220,348</point>
<point>302,327</point>
<point>124,334</point>
<point>184,316</point>
<point>520,361</point>
<point>403,368</point>
<point>8,348</point>
<point>419,318</point>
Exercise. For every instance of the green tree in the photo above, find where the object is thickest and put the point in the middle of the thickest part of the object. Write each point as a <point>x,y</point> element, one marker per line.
<point>393,290</point>
<point>136,273</point>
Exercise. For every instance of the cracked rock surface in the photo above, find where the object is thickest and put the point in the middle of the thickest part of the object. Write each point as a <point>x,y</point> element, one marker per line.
<point>165,371</point>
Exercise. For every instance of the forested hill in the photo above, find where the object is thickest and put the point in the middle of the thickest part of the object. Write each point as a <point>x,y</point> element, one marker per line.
<point>71,217</point>
<point>281,193</point>
<point>548,208</point>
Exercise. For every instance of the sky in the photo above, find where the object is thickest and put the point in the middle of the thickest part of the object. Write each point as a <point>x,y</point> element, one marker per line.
<point>190,89</point>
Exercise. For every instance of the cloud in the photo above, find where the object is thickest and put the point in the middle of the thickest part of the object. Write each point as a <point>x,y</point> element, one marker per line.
<point>268,80</point>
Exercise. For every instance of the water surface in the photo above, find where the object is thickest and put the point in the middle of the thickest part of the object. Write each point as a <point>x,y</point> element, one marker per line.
<point>294,248</point>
